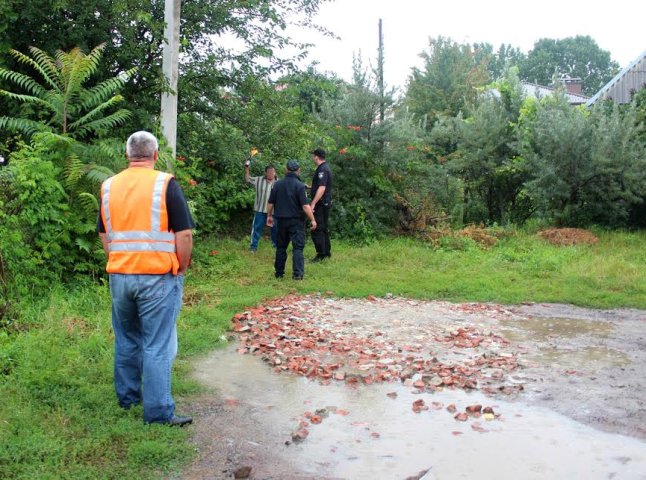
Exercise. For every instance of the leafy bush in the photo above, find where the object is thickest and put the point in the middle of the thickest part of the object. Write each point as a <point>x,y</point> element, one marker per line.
<point>587,167</point>
<point>48,211</point>
<point>34,214</point>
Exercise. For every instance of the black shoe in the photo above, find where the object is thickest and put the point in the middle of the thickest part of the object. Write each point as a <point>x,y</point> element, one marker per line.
<point>177,421</point>
<point>279,275</point>
<point>297,277</point>
<point>318,258</point>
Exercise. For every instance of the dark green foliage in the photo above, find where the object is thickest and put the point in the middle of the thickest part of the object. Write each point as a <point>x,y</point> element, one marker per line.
<point>447,85</point>
<point>256,115</point>
<point>133,33</point>
<point>587,167</point>
<point>498,62</point>
<point>578,56</point>
<point>48,215</point>
<point>487,158</point>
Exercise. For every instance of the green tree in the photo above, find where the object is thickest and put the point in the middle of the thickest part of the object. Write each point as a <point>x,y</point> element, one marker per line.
<point>310,89</point>
<point>60,102</point>
<point>133,32</point>
<point>578,56</point>
<point>49,190</point>
<point>213,147</point>
<point>500,61</point>
<point>587,167</point>
<point>448,83</point>
<point>355,138</point>
<point>487,158</point>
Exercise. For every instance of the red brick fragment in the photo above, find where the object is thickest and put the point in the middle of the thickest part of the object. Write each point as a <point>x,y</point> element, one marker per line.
<point>474,408</point>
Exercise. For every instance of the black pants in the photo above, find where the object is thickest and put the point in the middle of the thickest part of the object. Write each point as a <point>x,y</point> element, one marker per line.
<point>321,236</point>
<point>290,230</point>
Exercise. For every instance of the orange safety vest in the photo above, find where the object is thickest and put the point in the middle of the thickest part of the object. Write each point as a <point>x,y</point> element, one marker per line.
<point>133,206</point>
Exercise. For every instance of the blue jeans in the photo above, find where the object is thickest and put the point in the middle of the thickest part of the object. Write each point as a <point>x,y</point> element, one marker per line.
<point>259,221</point>
<point>144,314</point>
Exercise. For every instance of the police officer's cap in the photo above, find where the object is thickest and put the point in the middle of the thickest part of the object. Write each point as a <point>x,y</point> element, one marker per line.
<point>293,165</point>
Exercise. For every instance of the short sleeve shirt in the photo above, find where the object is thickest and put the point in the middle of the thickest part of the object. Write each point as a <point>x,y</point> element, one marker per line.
<point>322,178</point>
<point>288,197</point>
<point>179,216</point>
<point>263,189</point>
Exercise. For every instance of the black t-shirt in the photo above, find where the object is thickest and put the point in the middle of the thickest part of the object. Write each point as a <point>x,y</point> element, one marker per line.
<point>288,197</point>
<point>322,178</point>
<point>179,216</point>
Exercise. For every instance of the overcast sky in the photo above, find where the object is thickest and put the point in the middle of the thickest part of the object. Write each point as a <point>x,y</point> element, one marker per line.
<point>616,26</point>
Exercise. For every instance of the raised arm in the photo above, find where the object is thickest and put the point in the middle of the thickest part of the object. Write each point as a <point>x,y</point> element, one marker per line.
<point>247,177</point>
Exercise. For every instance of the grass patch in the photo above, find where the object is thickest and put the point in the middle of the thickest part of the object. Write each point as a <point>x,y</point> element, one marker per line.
<point>59,415</point>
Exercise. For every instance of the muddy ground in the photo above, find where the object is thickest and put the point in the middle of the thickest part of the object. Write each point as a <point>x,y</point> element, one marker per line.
<point>373,371</point>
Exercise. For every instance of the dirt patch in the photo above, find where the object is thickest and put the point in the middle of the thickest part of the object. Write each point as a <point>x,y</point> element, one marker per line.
<point>504,361</point>
<point>568,236</point>
<point>485,237</point>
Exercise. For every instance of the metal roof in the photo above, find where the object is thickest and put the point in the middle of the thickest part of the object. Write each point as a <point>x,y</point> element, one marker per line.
<point>540,91</point>
<point>601,94</point>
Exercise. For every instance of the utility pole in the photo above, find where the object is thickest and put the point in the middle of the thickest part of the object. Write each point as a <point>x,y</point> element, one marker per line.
<point>170,69</point>
<point>380,75</point>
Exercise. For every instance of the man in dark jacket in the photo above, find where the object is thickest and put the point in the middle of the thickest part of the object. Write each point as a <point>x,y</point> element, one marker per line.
<point>288,203</point>
<point>321,195</point>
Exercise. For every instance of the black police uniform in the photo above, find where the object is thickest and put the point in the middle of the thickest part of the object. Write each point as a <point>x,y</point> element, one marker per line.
<point>321,236</point>
<point>288,197</point>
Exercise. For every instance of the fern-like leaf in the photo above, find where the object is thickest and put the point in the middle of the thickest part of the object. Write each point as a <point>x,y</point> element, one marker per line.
<point>22,125</point>
<point>83,244</point>
<point>26,99</point>
<point>64,95</point>
<point>23,81</point>
<point>89,203</point>
<point>43,63</point>
<point>105,124</point>
<point>95,112</point>
<point>99,93</point>
<point>72,172</point>
<point>98,173</point>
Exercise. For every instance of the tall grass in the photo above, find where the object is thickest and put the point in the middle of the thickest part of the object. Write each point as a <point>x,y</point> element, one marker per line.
<point>59,417</point>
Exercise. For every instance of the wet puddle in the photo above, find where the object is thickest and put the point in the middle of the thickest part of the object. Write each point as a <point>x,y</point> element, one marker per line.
<point>558,342</point>
<point>369,435</point>
<point>590,358</point>
<point>542,329</point>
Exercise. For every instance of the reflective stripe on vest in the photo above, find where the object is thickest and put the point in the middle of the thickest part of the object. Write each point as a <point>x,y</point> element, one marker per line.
<point>140,240</point>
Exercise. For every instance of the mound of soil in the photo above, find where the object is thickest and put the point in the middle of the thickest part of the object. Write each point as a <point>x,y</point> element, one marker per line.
<point>568,236</point>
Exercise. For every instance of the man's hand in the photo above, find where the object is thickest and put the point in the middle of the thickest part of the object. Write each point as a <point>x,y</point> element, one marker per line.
<point>313,225</point>
<point>312,206</point>
<point>270,220</point>
<point>247,162</point>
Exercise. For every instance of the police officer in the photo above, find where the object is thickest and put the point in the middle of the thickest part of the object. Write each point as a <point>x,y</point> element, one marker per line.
<point>288,203</point>
<point>321,195</point>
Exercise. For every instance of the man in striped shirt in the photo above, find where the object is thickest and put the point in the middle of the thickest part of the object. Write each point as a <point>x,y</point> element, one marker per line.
<point>263,186</point>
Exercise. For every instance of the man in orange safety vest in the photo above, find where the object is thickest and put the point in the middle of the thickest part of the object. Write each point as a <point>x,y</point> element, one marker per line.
<point>146,229</point>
